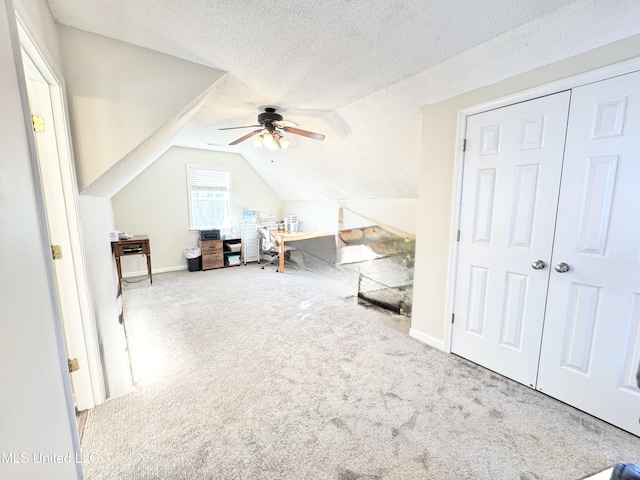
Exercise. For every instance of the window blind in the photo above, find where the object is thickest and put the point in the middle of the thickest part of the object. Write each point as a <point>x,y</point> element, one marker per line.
<point>208,178</point>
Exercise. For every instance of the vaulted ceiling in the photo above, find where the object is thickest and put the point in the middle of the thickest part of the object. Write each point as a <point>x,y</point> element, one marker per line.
<point>356,70</point>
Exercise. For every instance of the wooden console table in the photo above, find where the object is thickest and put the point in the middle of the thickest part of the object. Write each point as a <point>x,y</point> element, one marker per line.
<point>136,245</point>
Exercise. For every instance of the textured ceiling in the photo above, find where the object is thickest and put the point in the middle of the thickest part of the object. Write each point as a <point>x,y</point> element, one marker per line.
<point>305,54</point>
<point>323,64</point>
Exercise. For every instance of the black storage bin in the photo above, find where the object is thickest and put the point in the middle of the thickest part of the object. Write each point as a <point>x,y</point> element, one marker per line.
<point>194,264</point>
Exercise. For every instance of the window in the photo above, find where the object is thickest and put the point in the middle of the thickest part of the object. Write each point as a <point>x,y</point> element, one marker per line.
<point>209,197</point>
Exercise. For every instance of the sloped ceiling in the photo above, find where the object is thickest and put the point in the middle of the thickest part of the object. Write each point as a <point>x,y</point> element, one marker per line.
<point>355,70</point>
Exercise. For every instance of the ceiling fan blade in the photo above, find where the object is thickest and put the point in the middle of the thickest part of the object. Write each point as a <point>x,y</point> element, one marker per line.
<point>304,133</point>
<point>248,135</point>
<point>233,128</point>
<point>284,123</point>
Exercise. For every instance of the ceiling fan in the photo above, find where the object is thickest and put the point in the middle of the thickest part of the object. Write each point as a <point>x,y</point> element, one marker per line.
<point>271,127</point>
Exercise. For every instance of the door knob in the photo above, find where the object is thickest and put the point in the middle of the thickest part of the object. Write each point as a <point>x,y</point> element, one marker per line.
<point>562,267</point>
<point>538,265</point>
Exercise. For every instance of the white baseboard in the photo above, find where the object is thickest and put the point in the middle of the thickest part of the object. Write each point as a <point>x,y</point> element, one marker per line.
<point>143,273</point>
<point>427,339</point>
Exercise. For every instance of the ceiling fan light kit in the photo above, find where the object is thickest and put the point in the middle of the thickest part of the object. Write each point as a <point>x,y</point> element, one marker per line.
<point>271,140</point>
<point>271,127</point>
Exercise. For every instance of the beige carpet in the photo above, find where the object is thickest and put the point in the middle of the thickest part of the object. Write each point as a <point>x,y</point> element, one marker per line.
<point>245,374</point>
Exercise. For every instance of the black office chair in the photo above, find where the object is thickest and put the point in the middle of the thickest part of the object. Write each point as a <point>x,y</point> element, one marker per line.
<point>268,246</point>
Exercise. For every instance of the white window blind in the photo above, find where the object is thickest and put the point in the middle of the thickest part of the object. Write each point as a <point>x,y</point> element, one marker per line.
<point>209,197</point>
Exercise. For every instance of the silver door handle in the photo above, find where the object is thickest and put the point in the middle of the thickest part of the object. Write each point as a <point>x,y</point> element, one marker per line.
<point>562,267</point>
<point>538,265</point>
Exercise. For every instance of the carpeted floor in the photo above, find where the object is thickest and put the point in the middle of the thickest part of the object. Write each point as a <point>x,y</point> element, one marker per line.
<point>245,374</point>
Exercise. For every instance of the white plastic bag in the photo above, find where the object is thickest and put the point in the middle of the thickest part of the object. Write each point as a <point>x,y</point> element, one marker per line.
<point>192,252</point>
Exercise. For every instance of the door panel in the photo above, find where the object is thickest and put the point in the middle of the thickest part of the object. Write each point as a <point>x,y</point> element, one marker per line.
<point>59,234</point>
<point>511,179</point>
<point>590,348</point>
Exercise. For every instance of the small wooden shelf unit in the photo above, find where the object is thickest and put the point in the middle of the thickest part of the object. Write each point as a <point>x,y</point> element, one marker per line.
<point>216,253</point>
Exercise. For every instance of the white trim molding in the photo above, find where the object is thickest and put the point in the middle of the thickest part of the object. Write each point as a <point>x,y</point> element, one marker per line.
<point>427,339</point>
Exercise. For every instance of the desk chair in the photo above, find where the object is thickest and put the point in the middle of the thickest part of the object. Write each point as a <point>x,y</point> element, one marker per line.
<point>268,246</point>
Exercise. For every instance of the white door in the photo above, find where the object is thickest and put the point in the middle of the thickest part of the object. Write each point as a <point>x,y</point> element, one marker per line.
<point>591,342</point>
<point>77,338</point>
<point>511,179</point>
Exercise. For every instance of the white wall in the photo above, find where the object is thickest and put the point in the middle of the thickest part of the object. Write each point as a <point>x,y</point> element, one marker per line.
<point>397,215</point>
<point>313,216</point>
<point>156,204</point>
<point>96,216</point>
<point>36,411</point>
<point>119,94</point>
<point>431,311</point>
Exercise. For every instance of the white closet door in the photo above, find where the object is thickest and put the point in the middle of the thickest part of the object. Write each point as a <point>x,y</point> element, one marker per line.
<point>511,179</point>
<point>591,343</point>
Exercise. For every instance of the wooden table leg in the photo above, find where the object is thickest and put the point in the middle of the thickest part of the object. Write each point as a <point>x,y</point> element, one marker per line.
<point>149,267</point>
<point>119,269</point>
<point>281,256</point>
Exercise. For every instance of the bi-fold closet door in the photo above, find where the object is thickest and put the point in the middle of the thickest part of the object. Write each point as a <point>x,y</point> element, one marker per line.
<point>548,277</point>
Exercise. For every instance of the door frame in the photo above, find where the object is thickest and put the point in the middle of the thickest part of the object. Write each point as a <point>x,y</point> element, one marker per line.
<point>92,386</point>
<point>568,83</point>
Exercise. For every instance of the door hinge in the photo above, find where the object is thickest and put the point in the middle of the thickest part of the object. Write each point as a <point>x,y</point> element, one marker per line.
<point>464,145</point>
<point>56,252</point>
<point>73,364</point>
<point>38,123</point>
<point>453,317</point>
<point>458,236</point>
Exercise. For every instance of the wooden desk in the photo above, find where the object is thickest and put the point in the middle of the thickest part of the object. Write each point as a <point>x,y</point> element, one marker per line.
<point>282,237</point>
<point>136,245</point>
